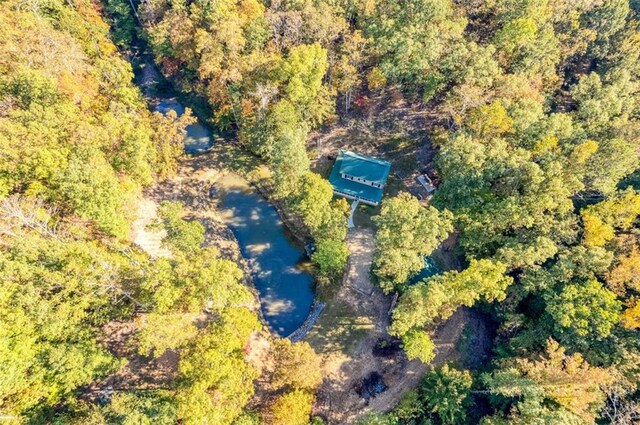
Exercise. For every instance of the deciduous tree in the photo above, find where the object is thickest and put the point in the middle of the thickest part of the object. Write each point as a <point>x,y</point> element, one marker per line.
<point>406,233</point>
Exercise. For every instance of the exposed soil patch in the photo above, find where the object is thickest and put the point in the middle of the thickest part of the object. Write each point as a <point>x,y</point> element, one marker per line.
<point>191,188</point>
<point>137,372</point>
<point>352,339</point>
<point>149,240</point>
<point>388,126</point>
<point>387,347</point>
<point>476,342</point>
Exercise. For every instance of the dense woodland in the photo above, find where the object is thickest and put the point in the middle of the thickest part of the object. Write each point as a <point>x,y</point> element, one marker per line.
<point>537,133</point>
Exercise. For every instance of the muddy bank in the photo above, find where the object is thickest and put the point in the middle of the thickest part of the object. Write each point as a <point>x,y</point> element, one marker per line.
<point>190,186</point>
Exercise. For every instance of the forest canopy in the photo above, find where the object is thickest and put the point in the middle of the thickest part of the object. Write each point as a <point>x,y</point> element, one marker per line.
<point>533,133</point>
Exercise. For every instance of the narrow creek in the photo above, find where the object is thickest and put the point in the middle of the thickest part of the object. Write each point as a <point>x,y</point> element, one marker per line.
<point>276,260</point>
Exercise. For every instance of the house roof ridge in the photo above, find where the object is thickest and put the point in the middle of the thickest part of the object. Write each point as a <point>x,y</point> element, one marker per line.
<point>372,159</point>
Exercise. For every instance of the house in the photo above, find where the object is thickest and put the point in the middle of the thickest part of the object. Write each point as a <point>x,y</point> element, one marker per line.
<point>360,177</point>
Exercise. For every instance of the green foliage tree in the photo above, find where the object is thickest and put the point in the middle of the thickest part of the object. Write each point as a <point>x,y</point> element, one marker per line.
<point>215,381</point>
<point>418,345</point>
<point>57,293</point>
<point>326,221</point>
<point>248,418</point>
<point>515,35</point>
<point>407,232</point>
<point>331,257</point>
<point>182,236</point>
<point>146,408</point>
<point>583,313</point>
<point>288,157</point>
<point>446,393</point>
<point>313,200</point>
<point>160,332</point>
<point>303,71</point>
<point>40,348</point>
<point>507,205</point>
<point>91,189</point>
<point>123,24</point>
<point>192,284</point>
<point>414,42</point>
<point>440,295</point>
<point>608,21</point>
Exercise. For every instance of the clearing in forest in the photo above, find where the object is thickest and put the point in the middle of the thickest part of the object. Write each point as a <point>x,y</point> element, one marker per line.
<point>351,336</point>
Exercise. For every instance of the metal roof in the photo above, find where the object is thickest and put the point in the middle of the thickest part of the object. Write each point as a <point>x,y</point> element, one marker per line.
<point>366,167</point>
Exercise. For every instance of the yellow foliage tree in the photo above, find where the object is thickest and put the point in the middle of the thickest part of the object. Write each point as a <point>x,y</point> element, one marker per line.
<point>603,219</point>
<point>297,365</point>
<point>567,382</point>
<point>292,408</point>
<point>626,274</point>
<point>376,79</point>
<point>489,121</point>
<point>630,317</point>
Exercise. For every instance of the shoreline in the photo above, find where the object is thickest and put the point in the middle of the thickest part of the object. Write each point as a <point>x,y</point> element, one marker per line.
<point>146,77</point>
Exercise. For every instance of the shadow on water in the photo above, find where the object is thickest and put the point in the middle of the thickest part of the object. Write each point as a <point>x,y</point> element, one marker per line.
<point>276,260</point>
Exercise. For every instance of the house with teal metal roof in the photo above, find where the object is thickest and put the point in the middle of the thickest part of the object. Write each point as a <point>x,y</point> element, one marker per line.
<point>360,177</point>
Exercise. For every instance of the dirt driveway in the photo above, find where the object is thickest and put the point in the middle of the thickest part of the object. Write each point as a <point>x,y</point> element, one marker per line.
<point>348,337</point>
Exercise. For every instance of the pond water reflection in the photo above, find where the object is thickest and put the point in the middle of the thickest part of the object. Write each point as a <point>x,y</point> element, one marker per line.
<point>277,262</point>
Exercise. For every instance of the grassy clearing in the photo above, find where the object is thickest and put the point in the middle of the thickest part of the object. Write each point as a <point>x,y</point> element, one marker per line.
<point>364,214</point>
<point>393,187</point>
<point>339,329</point>
<point>401,152</point>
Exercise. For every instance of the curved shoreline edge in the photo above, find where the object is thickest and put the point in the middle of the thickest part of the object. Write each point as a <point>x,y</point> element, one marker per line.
<point>316,308</point>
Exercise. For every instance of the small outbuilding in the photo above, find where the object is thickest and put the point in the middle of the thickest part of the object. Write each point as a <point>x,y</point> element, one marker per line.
<point>359,177</point>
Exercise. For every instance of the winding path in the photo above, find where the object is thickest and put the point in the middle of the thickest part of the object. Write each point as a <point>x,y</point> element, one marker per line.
<point>346,340</point>
<point>352,325</point>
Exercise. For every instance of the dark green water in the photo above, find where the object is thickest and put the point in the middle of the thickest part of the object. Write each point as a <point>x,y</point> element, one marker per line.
<point>429,269</point>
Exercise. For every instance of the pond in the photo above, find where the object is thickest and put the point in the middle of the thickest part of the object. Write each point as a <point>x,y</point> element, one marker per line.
<point>275,259</point>
<point>198,139</point>
<point>277,262</point>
